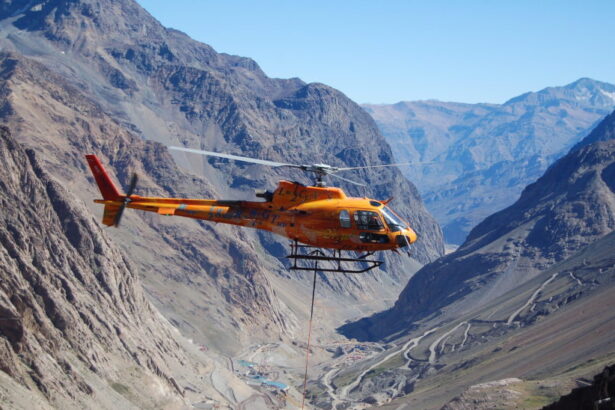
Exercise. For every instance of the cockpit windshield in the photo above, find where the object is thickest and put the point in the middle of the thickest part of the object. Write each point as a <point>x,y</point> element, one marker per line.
<point>392,220</point>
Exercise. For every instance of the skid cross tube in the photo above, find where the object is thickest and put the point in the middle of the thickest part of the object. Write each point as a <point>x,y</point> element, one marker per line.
<point>314,254</point>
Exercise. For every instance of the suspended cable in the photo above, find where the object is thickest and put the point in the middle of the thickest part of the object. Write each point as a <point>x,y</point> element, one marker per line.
<point>307,354</point>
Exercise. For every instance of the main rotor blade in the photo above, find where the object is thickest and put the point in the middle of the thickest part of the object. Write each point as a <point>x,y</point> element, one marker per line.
<point>235,157</point>
<point>383,165</point>
<point>345,179</point>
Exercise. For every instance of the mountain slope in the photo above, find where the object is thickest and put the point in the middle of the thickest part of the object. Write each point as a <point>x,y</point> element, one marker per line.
<point>599,392</point>
<point>44,104</point>
<point>570,206</point>
<point>556,342</point>
<point>485,154</point>
<point>76,330</point>
<point>526,296</point>
<point>524,348</point>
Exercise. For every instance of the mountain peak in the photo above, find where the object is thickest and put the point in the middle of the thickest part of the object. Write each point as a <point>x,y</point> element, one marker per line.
<point>586,82</point>
<point>70,21</point>
<point>584,91</point>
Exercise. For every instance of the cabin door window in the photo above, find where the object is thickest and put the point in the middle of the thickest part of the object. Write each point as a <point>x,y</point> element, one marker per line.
<point>368,220</point>
<point>345,219</point>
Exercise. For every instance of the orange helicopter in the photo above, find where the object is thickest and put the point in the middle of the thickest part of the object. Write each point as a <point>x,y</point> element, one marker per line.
<point>316,216</point>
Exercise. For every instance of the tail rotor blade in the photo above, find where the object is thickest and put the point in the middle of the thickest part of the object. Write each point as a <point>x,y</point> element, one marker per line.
<point>118,216</point>
<point>131,188</point>
<point>133,184</point>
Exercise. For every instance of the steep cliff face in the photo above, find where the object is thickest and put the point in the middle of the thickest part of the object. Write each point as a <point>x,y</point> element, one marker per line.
<point>100,76</point>
<point>483,155</point>
<point>569,207</point>
<point>45,105</point>
<point>76,330</point>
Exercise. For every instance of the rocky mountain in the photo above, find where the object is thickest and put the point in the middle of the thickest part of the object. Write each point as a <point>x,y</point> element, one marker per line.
<point>483,155</point>
<point>526,296</point>
<point>104,77</point>
<point>524,348</point>
<point>569,207</point>
<point>76,329</point>
<point>188,94</point>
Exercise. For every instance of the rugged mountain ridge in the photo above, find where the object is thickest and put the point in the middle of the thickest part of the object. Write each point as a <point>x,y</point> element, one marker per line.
<point>518,313</point>
<point>76,330</point>
<point>569,207</point>
<point>485,154</point>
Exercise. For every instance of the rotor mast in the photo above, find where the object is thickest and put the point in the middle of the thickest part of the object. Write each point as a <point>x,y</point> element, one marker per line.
<point>321,170</point>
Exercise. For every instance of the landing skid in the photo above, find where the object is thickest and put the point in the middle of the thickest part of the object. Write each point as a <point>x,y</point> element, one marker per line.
<point>313,254</point>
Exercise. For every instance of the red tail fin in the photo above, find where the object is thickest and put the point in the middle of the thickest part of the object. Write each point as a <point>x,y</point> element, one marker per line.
<point>106,186</point>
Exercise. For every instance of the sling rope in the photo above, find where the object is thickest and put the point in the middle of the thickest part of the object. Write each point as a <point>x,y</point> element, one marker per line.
<point>307,354</point>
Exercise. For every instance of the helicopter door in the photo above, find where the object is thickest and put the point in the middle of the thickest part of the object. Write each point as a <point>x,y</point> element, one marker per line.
<point>370,221</point>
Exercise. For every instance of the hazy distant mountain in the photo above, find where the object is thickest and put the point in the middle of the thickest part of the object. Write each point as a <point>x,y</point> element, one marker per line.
<point>528,295</point>
<point>484,154</point>
<point>104,77</point>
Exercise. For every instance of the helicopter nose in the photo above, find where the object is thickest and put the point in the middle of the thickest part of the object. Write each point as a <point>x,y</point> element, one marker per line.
<point>412,236</point>
<point>406,237</point>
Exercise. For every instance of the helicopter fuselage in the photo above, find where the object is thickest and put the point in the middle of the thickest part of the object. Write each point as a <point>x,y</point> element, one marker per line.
<point>319,216</point>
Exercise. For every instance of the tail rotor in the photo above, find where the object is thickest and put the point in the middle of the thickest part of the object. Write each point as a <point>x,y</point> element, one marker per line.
<point>127,199</point>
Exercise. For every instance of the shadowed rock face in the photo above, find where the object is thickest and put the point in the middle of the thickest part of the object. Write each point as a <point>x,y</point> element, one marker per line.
<point>485,154</point>
<point>569,207</point>
<point>73,317</point>
<point>597,395</point>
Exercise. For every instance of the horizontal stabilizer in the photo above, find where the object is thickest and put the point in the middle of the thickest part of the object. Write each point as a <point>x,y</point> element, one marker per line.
<point>110,214</point>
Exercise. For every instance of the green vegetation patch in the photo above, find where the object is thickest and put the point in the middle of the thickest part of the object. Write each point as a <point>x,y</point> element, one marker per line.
<point>121,388</point>
<point>394,362</point>
<point>537,401</point>
<point>344,379</point>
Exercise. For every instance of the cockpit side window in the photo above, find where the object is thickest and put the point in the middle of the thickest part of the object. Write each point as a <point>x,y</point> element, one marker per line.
<point>345,219</point>
<point>393,221</point>
<point>368,220</point>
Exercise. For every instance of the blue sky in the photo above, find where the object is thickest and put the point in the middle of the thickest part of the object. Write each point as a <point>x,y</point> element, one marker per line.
<point>389,51</point>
